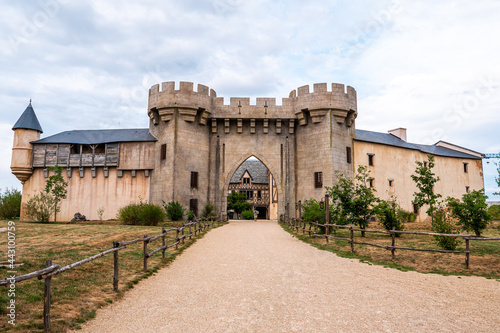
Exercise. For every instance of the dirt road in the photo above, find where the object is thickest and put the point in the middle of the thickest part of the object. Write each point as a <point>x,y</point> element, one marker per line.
<point>255,277</point>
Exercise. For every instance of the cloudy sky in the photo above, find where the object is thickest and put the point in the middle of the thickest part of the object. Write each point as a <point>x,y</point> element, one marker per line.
<point>430,66</point>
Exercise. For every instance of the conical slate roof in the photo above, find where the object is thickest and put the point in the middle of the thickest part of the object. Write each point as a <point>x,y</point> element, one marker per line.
<point>28,120</point>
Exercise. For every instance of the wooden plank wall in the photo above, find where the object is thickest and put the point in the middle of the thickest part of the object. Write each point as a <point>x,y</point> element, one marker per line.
<point>47,155</point>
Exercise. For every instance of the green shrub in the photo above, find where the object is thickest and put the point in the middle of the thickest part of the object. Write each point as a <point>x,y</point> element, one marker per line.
<point>444,225</point>
<point>247,214</point>
<point>311,212</point>
<point>389,216</point>
<point>190,215</point>
<point>40,207</point>
<point>472,213</point>
<point>150,214</point>
<point>208,210</point>
<point>494,210</point>
<point>407,216</point>
<point>10,204</point>
<point>141,214</point>
<point>174,210</point>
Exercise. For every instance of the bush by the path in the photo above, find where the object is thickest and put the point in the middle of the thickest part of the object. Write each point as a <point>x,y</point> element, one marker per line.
<point>247,214</point>
<point>174,210</point>
<point>141,214</point>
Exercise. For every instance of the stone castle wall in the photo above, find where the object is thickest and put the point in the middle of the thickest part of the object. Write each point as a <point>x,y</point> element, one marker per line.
<point>308,133</point>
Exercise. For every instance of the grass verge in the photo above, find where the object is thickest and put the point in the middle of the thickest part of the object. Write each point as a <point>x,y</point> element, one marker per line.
<point>79,292</point>
<point>484,257</point>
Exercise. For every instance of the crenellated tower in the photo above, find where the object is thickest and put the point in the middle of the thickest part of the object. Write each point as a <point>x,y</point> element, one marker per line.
<point>309,133</point>
<point>26,130</point>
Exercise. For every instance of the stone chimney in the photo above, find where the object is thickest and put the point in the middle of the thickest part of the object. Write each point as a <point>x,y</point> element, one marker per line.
<point>399,132</point>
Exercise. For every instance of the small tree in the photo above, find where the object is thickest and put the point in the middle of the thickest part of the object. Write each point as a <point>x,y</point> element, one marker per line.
<point>40,207</point>
<point>10,204</point>
<point>56,186</point>
<point>355,200</point>
<point>174,210</point>
<point>208,210</point>
<point>237,201</point>
<point>425,179</point>
<point>444,225</point>
<point>100,213</point>
<point>472,213</point>
<point>389,214</point>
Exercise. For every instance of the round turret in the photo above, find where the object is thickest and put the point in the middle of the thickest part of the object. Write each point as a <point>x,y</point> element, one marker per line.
<point>26,130</point>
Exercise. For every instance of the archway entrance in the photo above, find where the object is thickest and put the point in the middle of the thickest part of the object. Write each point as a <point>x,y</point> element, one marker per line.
<point>255,183</point>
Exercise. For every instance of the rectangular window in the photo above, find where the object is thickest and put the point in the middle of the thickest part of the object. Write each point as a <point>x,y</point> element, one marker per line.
<point>193,205</point>
<point>246,180</point>
<point>370,159</point>
<point>370,180</point>
<point>163,153</point>
<point>391,182</point>
<point>466,167</point>
<point>467,188</point>
<point>318,179</point>
<point>259,194</point>
<point>249,194</point>
<point>425,164</point>
<point>415,209</point>
<point>348,154</point>
<point>194,179</point>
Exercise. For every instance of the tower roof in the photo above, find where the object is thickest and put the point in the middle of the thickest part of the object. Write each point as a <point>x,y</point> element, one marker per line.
<point>28,120</point>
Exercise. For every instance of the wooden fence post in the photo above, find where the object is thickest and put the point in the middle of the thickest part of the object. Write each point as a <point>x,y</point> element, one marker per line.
<point>393,243</point>
<point>46,303</point>
<point>163,243</point>
<point>300,214</point>
<point>352,238</point>
<point>115,266</point>
<point>190,233</point>
<point>467,252</point>
<point>327,215</point>
<point>183,226</point>
<point>145,252</point>
<point>177,238</point>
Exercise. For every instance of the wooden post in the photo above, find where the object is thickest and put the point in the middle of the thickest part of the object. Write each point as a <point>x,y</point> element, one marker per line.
<point>327,215</point>
<point>115,265</point>
<point>163,243</point>
<point>46,303</point>
<point>177,239</point>
<point>145,253</point>
<point>393,250</point>
<point>352,238</point>
<point>182,233</point>
<point>190,230</point>
<point>300,213</point>
<point>467,252</point>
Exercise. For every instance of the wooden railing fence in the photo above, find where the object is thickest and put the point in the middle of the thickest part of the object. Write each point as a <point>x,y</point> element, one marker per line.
<point>194,228</point>
<point>313,229</point>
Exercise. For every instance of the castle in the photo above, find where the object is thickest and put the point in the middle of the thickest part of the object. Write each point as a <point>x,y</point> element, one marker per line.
<point>196,142</point>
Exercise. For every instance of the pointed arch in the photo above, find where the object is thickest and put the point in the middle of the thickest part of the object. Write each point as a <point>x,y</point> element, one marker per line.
<point>245,157</point>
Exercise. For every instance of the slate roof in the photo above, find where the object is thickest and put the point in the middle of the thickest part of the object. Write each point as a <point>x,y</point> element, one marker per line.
<point>256,169</point>
<point>28,120</point>
<point>392,140</point>
<point>100,136</point>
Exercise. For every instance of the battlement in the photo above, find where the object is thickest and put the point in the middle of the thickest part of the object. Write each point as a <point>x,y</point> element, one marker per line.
<point>318,88</point>
<point>341,100</point>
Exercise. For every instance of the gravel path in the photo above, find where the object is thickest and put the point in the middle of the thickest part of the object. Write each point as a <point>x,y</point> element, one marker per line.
<point>255,277</point>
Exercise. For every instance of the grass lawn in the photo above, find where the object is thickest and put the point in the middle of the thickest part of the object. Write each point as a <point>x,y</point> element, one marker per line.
<point>484,257</point>
<point>78,292</point>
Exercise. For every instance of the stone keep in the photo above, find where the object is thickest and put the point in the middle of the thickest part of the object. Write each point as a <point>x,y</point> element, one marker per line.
<point>308,133</point>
